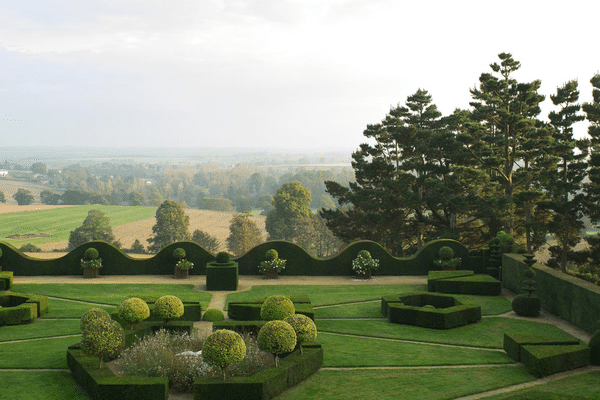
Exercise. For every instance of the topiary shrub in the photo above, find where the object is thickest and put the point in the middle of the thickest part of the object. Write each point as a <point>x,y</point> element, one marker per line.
<point>91,254</point>
<point>271,255</point>
<point>168,308</point>
<point>91,315</point>
<point>179,253</point>
<point>305,329</point>
<point>134,310</point>
<point>595,348</point>
<point>446,253</point>
<point>276,337</point>
<point>103,338</point>
<point>364,254</point>
<point>526,305</point>
<point>223,257</point>
<point>213,315</point>
<point>223,347</point>
<point>277,308</point>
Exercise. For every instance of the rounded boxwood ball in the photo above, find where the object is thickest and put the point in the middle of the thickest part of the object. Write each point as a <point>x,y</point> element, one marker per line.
<point>446,253</point>
<point>277,308</point>
<point>364,254</point>
<point>305,328</point>
<point>213,314</point>
<point>223,347</point>
<point>526,306</point>
<point>91,254</point>
<point>179,253</point>
<point>134,310</point>
<point>103,338</point>
<point>271,255</point>
<point>223,257</point>
<point>91,315</point>
<point>595,348</point>
<point>277,337</point>
<point>168,308</point>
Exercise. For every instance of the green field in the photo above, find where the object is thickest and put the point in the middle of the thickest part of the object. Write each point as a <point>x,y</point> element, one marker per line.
<point>59,222</point>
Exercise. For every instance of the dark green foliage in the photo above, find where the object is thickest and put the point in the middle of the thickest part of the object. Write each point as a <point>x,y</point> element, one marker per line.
<point>2,198</point>
<point>277,308</point>
<point>482,285</point>
<point>223,257</point>
<point>23,197</point>
<point>213,315</point>
<point>16,309</point>
<point>546,360</point>
<point>271,255</point>
<point>290,205</point>
<point>96,226</point>
<point>250,326</point>
<point>244,234</point>
<point>222,276</point>
<point>434,276</point>
<point>446,253</point>
<point>514,341</point>
<point>171,226</point>
<point>91,254</point>
<point>595,348</point>
<point>6,280</point>
<point>526,305</point>
<point>179,253</point>
<point>137,247</point>
<point>49,197</point>
<point>206,241</point>
<point>30,248</point>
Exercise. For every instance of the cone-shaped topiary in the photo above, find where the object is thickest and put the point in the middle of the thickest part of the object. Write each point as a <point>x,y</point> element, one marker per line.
<point>179,253</point>
<point>168,308</point>
<point>91,254</point>
<point>276,337</point>
<point>103,338</point>
<point>305,329</point>
<point>223,347</point>
<point>134,310</point>
<point>91,315</point>
<point>277,308</point>
<point>213,314</point>
<point>223,257</point>
<point>595,348</point>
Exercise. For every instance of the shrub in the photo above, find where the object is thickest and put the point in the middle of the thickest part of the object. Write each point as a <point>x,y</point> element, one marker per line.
<point>305,329</point>
<point>595,348</point>
<point>277,337</point>
<point>103,338</point>
<point>179,253</point>
<point>271,255</point>
<point>446,253</point>
<point>91,254</point>
<point>91,315</point>
<point>213,314</point>
<point>223,347</point>
<point>30,248</point>
<point>137,247</point>
<point>277,308</point>
<point>223,257</point>
<point>364,254</point>
<point>168,308</point>
<point>184,264</point>
<point>134,310</point>
<point>364,263</point>
<point>526,305</point>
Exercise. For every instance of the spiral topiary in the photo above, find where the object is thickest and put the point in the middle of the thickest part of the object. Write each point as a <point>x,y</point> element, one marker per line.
<point>223,257</point>
<point>91,315</point>
<point>276,337</point>
<point>277,308</point>
<point>595,348</point>
<point>134,310</point>
<point>91,254</point>
<point>223,347</point>
<point>305,329</point>
<point>179,253</point>
<point>103,338</point>
<point>271,255</point>
<point>446,253</point>
<point>213,314</point>
<point>168,308</point>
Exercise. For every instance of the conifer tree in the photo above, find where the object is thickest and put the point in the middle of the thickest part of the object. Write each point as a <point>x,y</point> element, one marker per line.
<point>592,189</point>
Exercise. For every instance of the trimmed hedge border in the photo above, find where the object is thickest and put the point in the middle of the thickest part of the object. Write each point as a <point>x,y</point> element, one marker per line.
<point>514,341</point>
<point>222,276</point>
<point>463,282</point>
<point>541,360</point>
<point>250,310</point>
<point>266,384</point>
<point>240,326</point>
<point>449,312</point>
<point>18,308</point>
<point>6,280</point>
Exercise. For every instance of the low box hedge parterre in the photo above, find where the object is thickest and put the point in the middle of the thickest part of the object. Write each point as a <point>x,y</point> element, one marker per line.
<point>544,360</point>
<point>19,308</point>
<point>463,282</point>
<point>250,310</point>
<point>6,280</point>
<point>514,342</point>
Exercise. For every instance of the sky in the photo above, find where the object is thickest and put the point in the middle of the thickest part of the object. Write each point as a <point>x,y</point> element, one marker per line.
<point>265,74</point>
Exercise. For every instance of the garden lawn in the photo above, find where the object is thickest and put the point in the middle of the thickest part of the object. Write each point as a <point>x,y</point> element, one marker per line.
<point>488,333</point>
<point>39,353</point>
<point>321,295</point>
<point>39,385</point>
<point>106,293</point>
<point>352,351</point>
<point>71,309</point>
<point>41,328</point>
<point>414,384</point>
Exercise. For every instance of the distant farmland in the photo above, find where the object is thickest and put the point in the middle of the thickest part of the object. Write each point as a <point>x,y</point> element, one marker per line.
<point>49,228</point>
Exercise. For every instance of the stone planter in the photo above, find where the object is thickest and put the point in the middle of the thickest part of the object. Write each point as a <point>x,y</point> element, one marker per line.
<point>271,274</point>
<point>366,275</point>
<point>91,273</point>
<point>179,273</point>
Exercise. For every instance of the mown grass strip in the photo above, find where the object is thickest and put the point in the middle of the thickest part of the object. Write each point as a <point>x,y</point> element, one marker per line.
<point>347,351</point>
<point>39,353</point>
<point>488,333</point>
<point>39,329</point>
<point>414,384</point>
<point>71,309</point>
<point>40,385</point>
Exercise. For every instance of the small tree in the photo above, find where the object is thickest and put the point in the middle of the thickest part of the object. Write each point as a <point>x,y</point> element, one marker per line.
<point>2,198</point>
<point>171,226</point>
<point>23,197</point>
<point>208,242</point>
<point>50,198</point>
<point>276,337</point>
<point>277,308</point>
<point>134,310</point>
<point>168,308</point>
<point>103,338</point>
<point>96,226</point>
<point>91,315</point>
<point>223,347</point>
<point>305,329</point>
<point>243,234</point>
<point>137,247</point>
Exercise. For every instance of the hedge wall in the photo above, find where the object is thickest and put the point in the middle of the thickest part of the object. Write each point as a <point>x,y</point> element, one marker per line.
<point>116,262</point>
<point>566,296</point>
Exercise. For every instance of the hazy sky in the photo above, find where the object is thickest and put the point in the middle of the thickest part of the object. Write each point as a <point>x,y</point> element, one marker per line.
<point>264,73</point>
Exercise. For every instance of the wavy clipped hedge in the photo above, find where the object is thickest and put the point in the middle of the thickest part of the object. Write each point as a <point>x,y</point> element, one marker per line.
<point>116,262</point>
